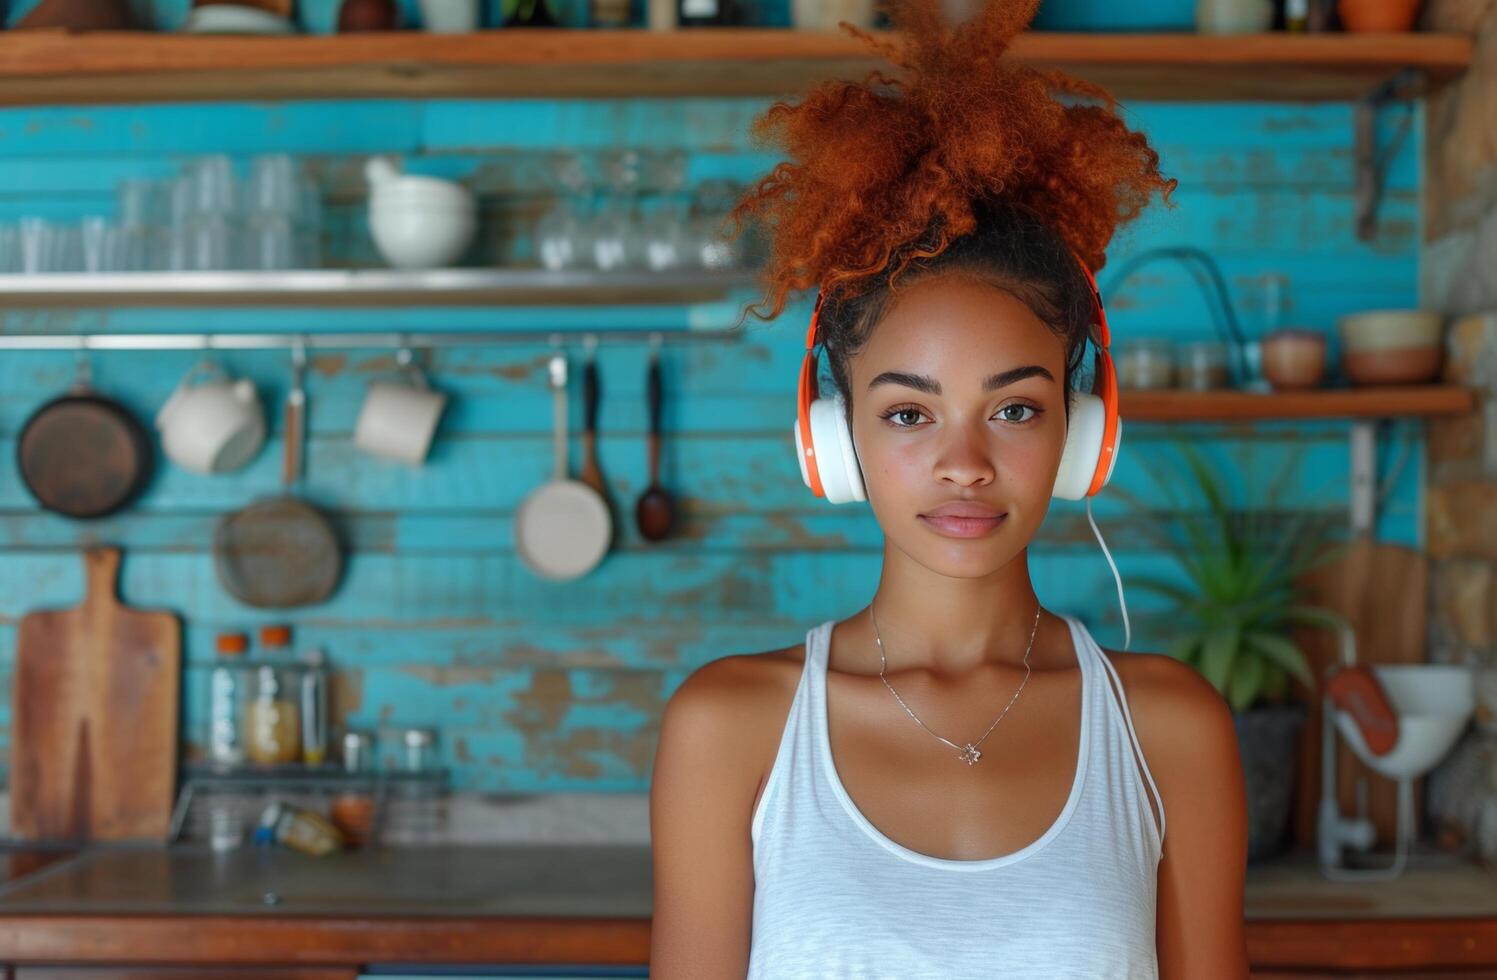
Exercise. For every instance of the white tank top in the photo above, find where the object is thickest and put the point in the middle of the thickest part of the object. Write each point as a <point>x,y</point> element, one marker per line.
<point>834,897</point>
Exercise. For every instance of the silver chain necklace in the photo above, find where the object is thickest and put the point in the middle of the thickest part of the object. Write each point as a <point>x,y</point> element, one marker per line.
<point>968,753</point>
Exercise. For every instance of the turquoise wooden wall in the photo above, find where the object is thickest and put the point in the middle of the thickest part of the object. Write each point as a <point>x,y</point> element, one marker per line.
<point>543,686</point>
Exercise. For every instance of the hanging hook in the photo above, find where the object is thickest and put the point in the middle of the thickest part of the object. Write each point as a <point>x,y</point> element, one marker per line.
<point>83,369</point>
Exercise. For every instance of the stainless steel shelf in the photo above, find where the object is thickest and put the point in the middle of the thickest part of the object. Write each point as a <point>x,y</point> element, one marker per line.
<point>85,342</point>
<point>363,287</point>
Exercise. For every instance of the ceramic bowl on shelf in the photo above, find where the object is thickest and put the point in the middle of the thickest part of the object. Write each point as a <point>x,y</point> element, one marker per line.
<point>411,189</point>
<point>418,222</point>
<point>1378,16</point>
<point>422,238</point>
<point>1294,358</point>
<point>230,18</point>
<point>1392,346</point>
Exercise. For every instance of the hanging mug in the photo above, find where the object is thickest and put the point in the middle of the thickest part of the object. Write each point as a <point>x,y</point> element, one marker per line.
<point>212,426</point>
<point>399,418</point>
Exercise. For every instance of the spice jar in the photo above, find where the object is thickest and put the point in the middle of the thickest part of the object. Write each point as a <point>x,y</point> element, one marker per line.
<point>354,811</point>
<point>1145,363</point>
<point>1203,365</point>
<point>305,831</point>
<point>272,720</point>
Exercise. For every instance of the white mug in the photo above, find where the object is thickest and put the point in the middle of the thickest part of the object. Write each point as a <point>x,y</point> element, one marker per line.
<point>399,418</point>
<point>450,16</point>
<point>212,426</point>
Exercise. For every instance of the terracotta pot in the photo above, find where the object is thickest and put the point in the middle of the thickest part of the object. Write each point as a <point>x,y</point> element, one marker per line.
<point>1393,366</point>
<point>1378,15</point>
<point>78,15</point>
<point>367,15</point>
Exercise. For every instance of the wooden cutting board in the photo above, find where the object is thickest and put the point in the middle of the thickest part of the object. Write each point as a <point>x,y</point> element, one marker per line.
<point>1381,590</point>
<point>94,709</point>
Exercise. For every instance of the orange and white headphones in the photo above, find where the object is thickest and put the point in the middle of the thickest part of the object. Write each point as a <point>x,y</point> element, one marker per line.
<point>829,462</point>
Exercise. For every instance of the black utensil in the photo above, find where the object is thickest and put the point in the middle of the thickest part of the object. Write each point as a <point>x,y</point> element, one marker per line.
<point>654,512</point>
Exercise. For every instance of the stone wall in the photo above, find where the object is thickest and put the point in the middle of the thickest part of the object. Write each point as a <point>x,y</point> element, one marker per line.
<point>1458,275</point>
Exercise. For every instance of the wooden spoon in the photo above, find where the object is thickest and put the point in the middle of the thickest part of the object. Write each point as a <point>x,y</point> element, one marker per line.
<point>654,512</point>
<point>592,473</point>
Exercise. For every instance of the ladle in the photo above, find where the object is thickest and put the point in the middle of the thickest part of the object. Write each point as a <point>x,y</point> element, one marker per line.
<point>654,512</point>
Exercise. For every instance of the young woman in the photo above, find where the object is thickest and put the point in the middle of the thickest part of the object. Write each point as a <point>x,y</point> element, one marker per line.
<point>953,781</point>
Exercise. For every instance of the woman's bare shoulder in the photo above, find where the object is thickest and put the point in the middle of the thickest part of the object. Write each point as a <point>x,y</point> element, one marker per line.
<point>1169,693</point>
<point>745,689</point>
<point>741,701</point>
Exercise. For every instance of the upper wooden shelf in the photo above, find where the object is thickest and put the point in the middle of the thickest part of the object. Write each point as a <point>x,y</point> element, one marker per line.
<point>55,67</point>
<point>1372,402</point>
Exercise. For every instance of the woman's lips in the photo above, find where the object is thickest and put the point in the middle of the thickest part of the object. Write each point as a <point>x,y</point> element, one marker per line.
<point>963,527</point>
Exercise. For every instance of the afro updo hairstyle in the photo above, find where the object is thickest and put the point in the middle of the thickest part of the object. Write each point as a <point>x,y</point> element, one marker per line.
<point>967,163</point>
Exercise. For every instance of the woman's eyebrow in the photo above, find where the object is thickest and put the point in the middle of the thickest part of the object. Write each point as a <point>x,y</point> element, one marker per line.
<point>931,386</point>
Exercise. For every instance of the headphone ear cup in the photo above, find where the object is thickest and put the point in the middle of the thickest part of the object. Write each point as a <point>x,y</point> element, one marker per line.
<point>1083,449</point>
<point>836,458</point>
<point>800,455</point>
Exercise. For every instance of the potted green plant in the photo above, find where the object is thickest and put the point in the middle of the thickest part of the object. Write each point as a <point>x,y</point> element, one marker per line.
<point>1232,617</point>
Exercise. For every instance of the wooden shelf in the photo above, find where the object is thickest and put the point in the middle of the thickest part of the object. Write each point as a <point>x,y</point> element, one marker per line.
<point>55,67</point>
<point>1346,403</point>
<point>368,287</point>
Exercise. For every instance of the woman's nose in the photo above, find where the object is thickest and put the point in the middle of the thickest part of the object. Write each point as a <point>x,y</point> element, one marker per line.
<point>966,458</point>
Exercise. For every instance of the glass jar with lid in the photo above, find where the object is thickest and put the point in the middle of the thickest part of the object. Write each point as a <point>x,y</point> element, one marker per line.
<point>1203,365</point>
<point>272,719</point>
<point>1146,363</point>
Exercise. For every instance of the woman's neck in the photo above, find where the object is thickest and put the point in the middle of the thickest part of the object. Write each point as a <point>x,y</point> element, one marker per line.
<point>951,626</point>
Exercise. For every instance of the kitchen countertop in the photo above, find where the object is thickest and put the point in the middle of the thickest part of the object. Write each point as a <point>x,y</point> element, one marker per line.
<point>611,880</point>
<point>592,903</point>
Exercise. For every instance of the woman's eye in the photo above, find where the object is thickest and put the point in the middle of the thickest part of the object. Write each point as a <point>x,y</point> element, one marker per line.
<point>896,413</point>
<point>1018,405</point>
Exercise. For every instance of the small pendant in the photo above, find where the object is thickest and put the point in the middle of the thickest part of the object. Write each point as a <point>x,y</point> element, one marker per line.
<point>970,754</point>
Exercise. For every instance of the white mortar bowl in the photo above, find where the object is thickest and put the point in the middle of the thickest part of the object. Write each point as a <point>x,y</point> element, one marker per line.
<point>421,236</point>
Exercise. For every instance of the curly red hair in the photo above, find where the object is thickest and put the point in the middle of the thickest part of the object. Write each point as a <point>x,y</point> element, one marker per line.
<point>888,171</point>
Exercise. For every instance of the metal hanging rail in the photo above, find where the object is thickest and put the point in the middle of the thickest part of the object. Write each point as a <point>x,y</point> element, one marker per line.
<point>346,341</point>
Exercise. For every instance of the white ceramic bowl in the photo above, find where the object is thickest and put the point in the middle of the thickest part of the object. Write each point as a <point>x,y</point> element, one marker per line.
<point>401,210</point>
<point>1388,329</point>
<point>422,239</point>
<point>414,198</point>
<point>413,185</point>
<point>1433,702</point>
